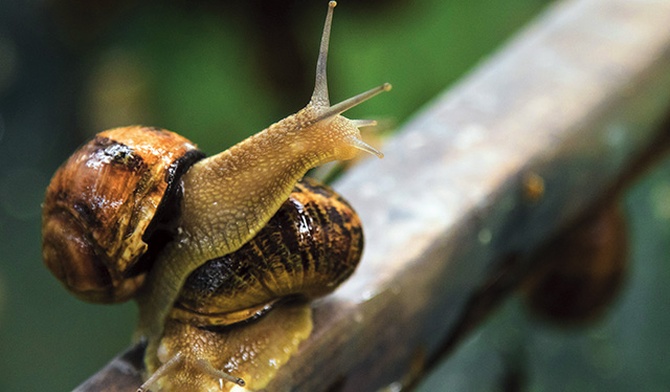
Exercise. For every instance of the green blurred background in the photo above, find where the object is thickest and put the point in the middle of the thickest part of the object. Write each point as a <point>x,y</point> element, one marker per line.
<point>217,72</point>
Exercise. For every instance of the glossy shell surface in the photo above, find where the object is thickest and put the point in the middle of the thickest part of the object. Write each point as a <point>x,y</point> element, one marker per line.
<point>100,206</point>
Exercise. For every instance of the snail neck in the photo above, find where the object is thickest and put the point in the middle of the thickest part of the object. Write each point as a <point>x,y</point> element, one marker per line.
<point>229,197</point>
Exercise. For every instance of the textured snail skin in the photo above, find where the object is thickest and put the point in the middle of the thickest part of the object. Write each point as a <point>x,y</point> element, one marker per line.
<point>253,350</point>
<point>229,197</point>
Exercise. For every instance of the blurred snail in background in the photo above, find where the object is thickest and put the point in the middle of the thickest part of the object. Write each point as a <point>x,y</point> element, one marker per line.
<point>207,244</point>
<point>580,273</point>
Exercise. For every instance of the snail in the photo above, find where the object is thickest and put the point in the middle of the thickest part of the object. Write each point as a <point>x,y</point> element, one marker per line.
<point>140,213</point>
<point>579,273</point>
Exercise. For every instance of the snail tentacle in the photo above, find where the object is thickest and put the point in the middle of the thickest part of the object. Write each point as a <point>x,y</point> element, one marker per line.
<point>167,367</point>
<point>320,94</point>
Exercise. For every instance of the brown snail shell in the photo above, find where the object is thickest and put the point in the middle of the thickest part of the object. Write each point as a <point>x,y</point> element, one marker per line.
<point>105,203</point>
<point>311,245</point>
<point>581,272</point>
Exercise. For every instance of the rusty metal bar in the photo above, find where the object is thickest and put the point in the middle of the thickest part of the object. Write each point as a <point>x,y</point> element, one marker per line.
<point>573,100</point>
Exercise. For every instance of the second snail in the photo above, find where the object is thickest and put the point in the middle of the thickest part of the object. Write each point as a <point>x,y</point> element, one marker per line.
<point>208,247</point>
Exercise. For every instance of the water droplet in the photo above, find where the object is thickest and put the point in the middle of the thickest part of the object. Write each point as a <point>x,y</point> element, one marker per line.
<point>484,236</point>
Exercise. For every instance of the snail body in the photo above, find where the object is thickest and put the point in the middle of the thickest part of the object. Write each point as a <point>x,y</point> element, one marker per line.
<point>206,242</point>
<point>309,246</point>
<point>312,244</point>
<point>230,196</point>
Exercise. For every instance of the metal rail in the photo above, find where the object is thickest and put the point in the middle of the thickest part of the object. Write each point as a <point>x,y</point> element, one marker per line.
<point>572,101</point>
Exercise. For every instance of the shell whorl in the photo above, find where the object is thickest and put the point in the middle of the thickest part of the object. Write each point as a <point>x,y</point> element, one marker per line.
<point>103,206</point>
